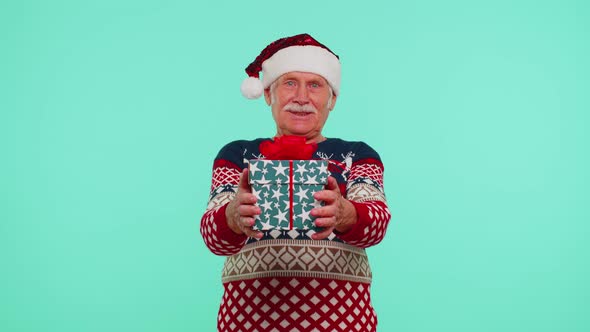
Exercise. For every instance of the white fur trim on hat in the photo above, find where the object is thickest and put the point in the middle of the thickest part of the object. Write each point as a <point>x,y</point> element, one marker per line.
<point>312,59</point>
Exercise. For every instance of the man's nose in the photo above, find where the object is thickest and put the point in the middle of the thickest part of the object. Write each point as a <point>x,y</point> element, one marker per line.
<point>302,96</point>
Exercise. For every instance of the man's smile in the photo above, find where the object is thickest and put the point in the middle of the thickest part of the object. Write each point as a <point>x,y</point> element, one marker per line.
<point>300,114</point>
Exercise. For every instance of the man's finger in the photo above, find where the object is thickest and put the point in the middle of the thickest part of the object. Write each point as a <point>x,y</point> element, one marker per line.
<point>248,210</point>
<point>246,198</point>
<point>324,211</point>
<point>244,185</point>
<point>327,196</point>
<point>252,233</point>
<point>332,183</point>
<point>325,222</point>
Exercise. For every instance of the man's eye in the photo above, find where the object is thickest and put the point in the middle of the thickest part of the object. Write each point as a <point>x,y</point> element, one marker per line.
<point>290,83</point>
<point>314,85</point>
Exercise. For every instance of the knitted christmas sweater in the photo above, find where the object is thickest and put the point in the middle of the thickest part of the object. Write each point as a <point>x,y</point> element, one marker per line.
<point>286,281</point>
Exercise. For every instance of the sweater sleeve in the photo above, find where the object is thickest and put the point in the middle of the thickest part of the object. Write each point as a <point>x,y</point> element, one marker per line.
<point>364,189</point>
<point>218,237</point>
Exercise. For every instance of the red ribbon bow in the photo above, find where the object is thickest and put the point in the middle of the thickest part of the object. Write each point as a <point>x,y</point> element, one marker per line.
<point>287,147</point>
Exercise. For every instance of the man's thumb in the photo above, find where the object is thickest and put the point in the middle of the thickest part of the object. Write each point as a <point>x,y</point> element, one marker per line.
<point>332,183</point>
<point>244,185</point>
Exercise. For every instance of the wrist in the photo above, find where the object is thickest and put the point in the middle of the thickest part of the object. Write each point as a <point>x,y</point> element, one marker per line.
<point>230,217</point>
<point>349,217</point>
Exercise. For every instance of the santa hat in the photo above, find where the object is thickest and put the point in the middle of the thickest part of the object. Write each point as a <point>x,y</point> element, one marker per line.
<point>296,53</point>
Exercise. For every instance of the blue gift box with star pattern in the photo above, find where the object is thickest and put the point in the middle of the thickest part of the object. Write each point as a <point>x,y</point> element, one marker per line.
<point>284,189</point>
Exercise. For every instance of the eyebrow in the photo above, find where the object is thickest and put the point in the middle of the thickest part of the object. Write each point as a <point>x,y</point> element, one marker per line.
<point>315,80</point>
<point>320,81</point>
<point>289,78</point>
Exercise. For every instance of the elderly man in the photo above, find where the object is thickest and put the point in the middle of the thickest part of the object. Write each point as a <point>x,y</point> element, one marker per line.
<point>299,279</point>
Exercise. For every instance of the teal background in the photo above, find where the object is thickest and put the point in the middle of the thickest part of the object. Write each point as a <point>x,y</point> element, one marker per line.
<point>111,113</point>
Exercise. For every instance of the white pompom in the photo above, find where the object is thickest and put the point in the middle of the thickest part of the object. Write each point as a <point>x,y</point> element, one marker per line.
<point>252,88</point>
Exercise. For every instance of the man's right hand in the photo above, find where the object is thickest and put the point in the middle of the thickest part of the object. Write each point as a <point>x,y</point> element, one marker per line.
<point>240,212</point>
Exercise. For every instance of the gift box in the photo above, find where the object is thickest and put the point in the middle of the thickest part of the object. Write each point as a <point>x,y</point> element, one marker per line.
<point>284,189</point>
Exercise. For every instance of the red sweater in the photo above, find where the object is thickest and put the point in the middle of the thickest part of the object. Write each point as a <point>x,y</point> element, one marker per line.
<point>286,281</point>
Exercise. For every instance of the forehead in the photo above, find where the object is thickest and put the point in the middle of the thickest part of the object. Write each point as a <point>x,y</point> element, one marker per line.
<point>303,76</point>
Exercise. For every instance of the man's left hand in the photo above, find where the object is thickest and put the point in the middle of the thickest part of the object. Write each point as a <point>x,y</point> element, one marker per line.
<point>337,213</point>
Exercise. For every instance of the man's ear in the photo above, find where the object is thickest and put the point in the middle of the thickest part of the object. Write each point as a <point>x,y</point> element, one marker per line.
<point>267,96</point>
<point>334,97</point>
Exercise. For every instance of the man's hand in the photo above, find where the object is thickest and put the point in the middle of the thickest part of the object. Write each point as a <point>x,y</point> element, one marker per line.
<point>240,212</point>
<point>337,213</point>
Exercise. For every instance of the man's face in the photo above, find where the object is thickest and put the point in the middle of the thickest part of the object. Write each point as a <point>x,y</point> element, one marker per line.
<point>301,104</point>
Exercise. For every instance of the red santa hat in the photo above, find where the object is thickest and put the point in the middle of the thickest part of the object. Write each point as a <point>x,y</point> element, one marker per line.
<point>296,53</point>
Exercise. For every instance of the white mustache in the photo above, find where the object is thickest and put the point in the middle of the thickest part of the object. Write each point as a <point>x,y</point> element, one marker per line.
<point>294,107</point>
